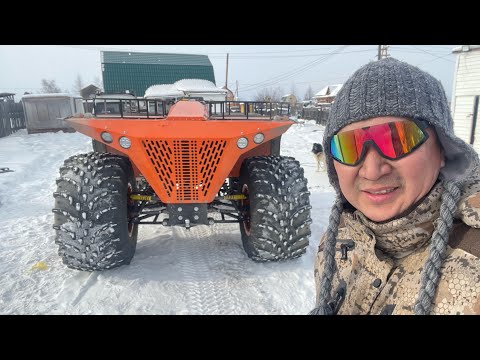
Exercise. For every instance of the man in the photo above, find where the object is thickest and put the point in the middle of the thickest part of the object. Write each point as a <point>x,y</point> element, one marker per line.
<point>404,232</point>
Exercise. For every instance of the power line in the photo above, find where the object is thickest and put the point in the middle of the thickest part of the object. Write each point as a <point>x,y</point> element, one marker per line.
<point>434,55</point>
<point>99,48</point>
<point>290,56</point>
<point>238,55</point>
<point>420,51</point>
<point>293,72</point>
<point>438,47</point>
<point>433,60</point>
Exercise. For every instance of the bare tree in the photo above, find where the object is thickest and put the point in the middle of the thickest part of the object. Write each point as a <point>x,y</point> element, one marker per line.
<point>49,86</point>
<point>269,94</point>
<point>293,90</point>
<point>309,93</point>
<point>78,85</point>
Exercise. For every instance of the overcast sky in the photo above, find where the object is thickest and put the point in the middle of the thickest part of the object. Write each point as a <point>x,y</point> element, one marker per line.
<point>252,67</point>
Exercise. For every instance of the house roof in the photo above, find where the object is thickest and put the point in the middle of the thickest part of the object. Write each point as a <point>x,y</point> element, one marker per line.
<point>91,86</point>
<point>329,90</point>
<point>136,72</point>
<point>89,91</point>
<point>123,57</point>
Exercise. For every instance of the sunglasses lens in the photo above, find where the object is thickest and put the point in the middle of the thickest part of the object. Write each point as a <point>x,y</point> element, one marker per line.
<point>344,147</point>
<point>409,137</point>
<point>394,140</point>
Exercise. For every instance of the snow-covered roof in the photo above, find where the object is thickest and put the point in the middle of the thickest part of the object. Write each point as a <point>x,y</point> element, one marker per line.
<point>184,87</point>
<point>329,90</point>
<point>287,95</point>
<point>166,90</point>
<point>49,95</point>
<point>470,47</point>
<point>198,85</point>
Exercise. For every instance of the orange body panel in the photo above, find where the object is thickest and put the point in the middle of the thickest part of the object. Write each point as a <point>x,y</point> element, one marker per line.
<point>185,157</point>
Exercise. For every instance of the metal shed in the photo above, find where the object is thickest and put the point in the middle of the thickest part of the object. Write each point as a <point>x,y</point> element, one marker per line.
<point>45,112</point>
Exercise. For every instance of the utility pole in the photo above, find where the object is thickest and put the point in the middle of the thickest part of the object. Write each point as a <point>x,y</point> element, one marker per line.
<point>226,75</point>
<point>382,51</point>
<point>236,91</point>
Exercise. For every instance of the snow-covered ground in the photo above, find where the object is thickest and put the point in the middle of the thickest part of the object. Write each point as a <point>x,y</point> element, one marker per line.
<point>174,271</point>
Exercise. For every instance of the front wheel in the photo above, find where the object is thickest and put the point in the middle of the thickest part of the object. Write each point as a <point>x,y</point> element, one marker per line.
<point>276,214</point>
<point>93,212</point>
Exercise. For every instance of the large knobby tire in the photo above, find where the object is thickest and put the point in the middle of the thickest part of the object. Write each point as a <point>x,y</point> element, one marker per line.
<point>277,209</point>
<point>92,210</point>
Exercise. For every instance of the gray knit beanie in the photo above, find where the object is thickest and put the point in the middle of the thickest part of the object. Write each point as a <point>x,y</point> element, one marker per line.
<point>389,87</point>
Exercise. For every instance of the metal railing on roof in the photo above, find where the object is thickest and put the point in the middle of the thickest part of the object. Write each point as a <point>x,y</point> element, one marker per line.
<point>127,108</point>
<point>247,109</point>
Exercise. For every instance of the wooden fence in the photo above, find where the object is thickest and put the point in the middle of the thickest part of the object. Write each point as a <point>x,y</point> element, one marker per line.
<point>12,117</point>
<point>320,116</point>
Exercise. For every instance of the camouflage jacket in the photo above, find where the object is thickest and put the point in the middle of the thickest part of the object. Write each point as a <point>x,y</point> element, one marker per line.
<point>379,264</point>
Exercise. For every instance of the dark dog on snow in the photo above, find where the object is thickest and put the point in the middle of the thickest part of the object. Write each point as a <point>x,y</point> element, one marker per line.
<point>317,151</point>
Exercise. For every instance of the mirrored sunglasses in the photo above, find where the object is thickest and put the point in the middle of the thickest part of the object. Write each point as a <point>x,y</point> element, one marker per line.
<point>393,140</point>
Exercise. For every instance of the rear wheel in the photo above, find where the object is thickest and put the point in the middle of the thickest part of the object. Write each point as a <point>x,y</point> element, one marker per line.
<point>93,212</point>
<point>276,214</point>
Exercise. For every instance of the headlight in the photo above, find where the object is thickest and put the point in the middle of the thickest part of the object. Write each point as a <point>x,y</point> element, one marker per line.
<point>242,143</point>
<point>125,142</point>
<point>106,137</point>
<point>258,138</point>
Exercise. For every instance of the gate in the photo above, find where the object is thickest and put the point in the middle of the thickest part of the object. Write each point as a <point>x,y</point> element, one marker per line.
<point>12,117</point>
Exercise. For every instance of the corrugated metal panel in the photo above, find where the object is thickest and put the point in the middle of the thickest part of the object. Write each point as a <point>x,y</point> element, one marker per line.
<point>47,113</point>
<point>138,77</point>
<point>121,57</point>
<point>462,118</point>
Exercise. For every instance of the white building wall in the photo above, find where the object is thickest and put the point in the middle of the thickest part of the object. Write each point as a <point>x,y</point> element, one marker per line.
<point>466,86</point>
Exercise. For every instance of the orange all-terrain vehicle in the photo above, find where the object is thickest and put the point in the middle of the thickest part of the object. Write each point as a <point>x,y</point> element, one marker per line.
<point>195,163</point>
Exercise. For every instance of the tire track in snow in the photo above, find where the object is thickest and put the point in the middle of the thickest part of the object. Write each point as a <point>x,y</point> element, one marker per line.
<point>208,290</point>
<point>76,287</point>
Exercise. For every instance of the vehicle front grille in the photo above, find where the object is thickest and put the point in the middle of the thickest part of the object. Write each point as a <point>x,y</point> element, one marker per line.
<point>185,168</point>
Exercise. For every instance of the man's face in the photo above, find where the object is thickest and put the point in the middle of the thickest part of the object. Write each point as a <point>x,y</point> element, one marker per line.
<point>382,189</point>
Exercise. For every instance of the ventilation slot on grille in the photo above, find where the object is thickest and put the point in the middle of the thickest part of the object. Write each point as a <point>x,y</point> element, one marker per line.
<point>210,154</point>
<point>186,169</point>
<point>161,157</point>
